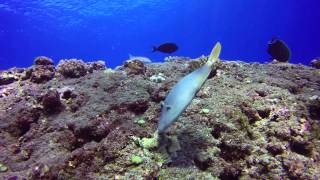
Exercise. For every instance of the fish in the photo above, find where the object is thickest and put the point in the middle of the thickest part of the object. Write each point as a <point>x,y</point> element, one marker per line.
<point>140,58</point>
<point>279,50</point>
<point>184,91</point>
<point>166,48</point>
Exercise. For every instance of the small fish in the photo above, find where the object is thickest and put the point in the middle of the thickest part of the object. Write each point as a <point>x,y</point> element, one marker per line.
<point>140,58</point>
<point>184,91</point>
<point>279,50</point>
<point>166,48</point>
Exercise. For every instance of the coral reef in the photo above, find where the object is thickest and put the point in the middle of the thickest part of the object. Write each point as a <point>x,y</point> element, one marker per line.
<point>7,78</point>
<point>98,65</point>
<point>176,58</point>
<point>134,67</point>
<point>72,68</point>
<point>41,73</point>
<point>248,121</point>
<point>315,63</point>
<point>51,101</point>
<point>43,60</point>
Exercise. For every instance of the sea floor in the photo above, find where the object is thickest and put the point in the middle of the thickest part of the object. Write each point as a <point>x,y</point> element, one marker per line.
<point>82,121</point>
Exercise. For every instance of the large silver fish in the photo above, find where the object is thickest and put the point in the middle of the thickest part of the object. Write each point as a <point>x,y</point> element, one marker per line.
<point>184,91</point>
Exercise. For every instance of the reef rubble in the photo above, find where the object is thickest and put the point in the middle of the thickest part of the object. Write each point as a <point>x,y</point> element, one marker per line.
<point>83,121</point>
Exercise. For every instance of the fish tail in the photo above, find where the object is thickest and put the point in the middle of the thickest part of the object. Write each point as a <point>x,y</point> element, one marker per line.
<point>214,56</point>
<point>154,49</point>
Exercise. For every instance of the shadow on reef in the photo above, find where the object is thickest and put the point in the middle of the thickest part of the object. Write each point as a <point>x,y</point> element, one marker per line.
<point>185,149</point>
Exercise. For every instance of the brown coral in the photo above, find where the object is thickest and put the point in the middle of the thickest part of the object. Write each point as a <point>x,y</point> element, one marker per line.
<point>72,68</point>
<point>51,101</point>
<point>41,73</point>
<point>43,60</point>
<point>315,63</point>
<point>135,67</point>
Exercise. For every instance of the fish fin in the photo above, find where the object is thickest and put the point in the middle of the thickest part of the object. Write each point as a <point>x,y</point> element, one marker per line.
<point>130,56</point>
<point>214,56</point>
<point>154,49</point>
<point>161,104</point>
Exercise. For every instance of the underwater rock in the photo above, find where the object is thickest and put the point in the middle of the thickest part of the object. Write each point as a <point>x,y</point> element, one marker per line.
<point>138,107</point>
<point>301,146</point>
<point>51,101</point>
<point>230,172</point>
<point>67,93</point>
<point>7,78</point>
<point>139,58</point>
<point>256,127</point>
<point>72,68</point>
<point>176,58</point>
<point>97,65</point>
<point>40,73</point>
<point>197,63</point>
<point>251,113</point>
<point>157,94</point>
<point>75,101</point>
<point>315,63</point>
<point>12,75</point>
<point>313,106</point>
<point>20,122</point>
<point>275,148</point>
<point>135,67</point>
<point>202,161</point>
<point>299,167</point>
<point>43,60</point>
<point>200,61</point>
<point>232,150</point>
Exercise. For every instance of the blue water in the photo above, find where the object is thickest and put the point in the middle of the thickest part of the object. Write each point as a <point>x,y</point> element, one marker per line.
<point>111,29</point>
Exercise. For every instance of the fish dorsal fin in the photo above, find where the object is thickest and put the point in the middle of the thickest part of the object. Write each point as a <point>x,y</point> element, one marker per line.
<point>214,56</point>
<point>130,56</point>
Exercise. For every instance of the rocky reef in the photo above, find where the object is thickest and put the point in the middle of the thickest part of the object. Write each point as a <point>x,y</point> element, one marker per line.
<point>82,121</point>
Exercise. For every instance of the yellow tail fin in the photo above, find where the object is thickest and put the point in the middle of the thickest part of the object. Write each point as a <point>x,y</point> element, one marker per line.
<point>214,56</point>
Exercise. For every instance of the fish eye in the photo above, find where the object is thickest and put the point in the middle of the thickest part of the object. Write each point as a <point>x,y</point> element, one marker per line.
<point>168,108</point>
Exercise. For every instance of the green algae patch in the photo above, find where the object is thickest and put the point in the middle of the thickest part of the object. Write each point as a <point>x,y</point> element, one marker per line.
<point>136,159</point>
<point>205,111</point>
<point>108,71</point>
<point>140,121</point>
<point>149,143</point>
<point>146,143</point>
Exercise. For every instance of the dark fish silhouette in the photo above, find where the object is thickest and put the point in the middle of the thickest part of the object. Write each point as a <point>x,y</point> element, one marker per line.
<point>166,48</point>
<point>279,50</point>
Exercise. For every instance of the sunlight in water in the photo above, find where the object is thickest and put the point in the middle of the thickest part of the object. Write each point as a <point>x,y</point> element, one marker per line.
<point>64,11</point>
